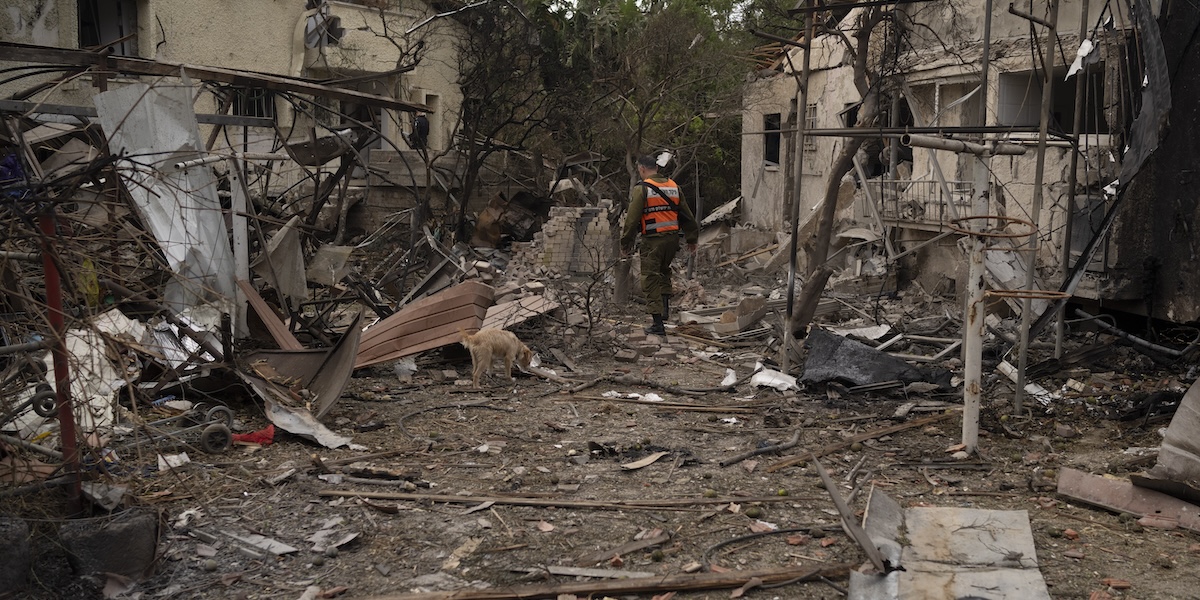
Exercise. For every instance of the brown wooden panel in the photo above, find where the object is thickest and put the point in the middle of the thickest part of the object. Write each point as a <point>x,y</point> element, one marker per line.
<point>392,348</point>
<point>426,324</point>
<point>1123,496</point>
<point>279,332</point>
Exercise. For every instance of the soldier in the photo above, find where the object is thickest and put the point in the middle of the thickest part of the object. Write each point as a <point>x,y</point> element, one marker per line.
<point>658,212</point>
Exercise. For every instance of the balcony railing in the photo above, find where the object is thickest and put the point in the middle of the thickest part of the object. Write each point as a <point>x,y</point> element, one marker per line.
<point>921,201</point>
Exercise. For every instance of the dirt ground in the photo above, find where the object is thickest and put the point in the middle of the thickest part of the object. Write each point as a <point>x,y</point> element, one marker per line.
<point>498,453</point>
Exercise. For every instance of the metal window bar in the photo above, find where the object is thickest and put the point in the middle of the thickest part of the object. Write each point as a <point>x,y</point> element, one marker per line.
<point>922,201</point>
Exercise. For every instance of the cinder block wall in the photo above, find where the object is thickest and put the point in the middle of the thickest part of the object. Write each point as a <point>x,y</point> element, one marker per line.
<point>576,240</point>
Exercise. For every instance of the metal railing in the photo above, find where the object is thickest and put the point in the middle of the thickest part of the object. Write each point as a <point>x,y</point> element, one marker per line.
<point>922,201</point>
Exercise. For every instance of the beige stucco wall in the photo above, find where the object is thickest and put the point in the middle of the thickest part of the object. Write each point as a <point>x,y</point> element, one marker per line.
<point>264,36</point>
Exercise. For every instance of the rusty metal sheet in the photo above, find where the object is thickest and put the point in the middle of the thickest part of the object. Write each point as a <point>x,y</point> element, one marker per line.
<point>323,372</point>
<point>1122,496</point>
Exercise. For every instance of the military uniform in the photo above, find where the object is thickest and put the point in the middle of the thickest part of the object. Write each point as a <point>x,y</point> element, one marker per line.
<point>659,214</point>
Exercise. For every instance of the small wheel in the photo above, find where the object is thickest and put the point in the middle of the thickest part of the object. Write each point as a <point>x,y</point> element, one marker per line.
<point>215,438</point>
<point>45,403</point>
<point>220,414</point>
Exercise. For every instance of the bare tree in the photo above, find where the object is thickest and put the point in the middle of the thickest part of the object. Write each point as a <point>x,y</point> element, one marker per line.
<point>873,83</point>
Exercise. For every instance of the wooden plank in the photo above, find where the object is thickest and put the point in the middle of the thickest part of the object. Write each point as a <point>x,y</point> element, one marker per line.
<point>585,572</point>
<point>394,348</point>
<point>862,437</point>
<point>29,53</point>
<point>850,522</point>
<point>564,359</point>
<point>634,546</point>
<point>449,316</point>
<point>279,332</point>
<point>662,504</point>
<point>641,585</point>
<point>428,323</point>
<point>750,255</point>
<point>503,316</point>
<point>1122,496</point>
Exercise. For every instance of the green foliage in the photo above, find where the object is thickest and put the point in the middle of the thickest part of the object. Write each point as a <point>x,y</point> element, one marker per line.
<point>615,77</point>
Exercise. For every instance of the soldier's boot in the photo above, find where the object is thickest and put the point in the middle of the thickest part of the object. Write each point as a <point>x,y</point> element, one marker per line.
<point>657,328</point>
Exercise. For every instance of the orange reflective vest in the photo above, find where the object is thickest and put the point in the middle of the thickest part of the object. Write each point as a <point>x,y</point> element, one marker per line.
<point>659,214</point>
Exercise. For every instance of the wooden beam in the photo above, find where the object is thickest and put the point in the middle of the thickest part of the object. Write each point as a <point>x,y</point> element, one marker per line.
<point>643,585</point>
<point>665,504</point>
<point>29,53</point>
<point>862,437</point>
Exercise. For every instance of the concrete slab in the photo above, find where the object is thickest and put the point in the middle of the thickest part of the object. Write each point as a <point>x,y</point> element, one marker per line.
<point>949,553</point>
<point>126,544</point>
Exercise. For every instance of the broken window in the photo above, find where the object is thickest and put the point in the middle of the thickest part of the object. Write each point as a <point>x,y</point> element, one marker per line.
<point>810,123</point>
<point>1021,101</point>
<point>771,136</point>
<point>255,102</point>
<point>103,22</point>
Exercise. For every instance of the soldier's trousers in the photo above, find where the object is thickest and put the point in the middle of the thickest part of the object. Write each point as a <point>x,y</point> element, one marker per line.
<point>657,252</point>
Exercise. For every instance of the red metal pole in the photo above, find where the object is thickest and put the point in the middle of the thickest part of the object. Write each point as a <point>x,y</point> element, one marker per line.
<point>62,374</point>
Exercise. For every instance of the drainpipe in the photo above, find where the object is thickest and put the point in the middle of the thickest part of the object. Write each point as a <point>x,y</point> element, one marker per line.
<point>1069,213</point>
<point>1031,266</point>
<point>62,373</point>
<point>793,246</point>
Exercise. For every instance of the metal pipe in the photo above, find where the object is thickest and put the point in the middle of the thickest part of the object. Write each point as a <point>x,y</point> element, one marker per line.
<point>44,451</point>
<point>1137,341</point>
<point>26,347</point>
<point>774,38</point>
<point>1038,177</point>
<point>25,256</point>
<point>62,370</point>
<point>1012,9</point>
<point>899,131</point>
<point>937,143</point>
<point>1060,327</point>
<point>973,328</point>
<point>793,244</point>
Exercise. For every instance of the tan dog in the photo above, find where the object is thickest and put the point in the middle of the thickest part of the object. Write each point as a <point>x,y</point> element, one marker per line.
<point>488,344</point>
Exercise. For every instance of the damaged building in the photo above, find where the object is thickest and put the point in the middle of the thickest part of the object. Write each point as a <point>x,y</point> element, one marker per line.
<point>900,205</point>
<point>241,249</point>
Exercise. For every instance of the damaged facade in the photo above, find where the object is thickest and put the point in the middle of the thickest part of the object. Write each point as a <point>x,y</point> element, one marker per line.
<point>407,54</point>
<point>201,257</point>
<point>178,184</point>
<point>913,196</point>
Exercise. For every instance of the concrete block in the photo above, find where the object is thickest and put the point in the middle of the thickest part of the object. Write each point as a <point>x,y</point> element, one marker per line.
<point>667,353</point>
<point>626,356</point>
<point>535,287</point>
<point>647,349</point>
<point>125,545</point>
<point>15,558</point>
